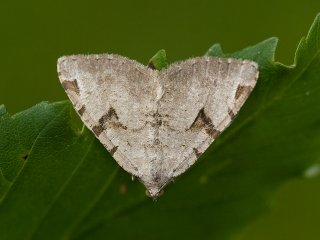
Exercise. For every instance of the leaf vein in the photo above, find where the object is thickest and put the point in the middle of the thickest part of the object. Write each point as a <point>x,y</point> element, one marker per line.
<point>30,151</point>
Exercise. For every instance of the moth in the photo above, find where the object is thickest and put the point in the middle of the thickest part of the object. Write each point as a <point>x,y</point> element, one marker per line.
<point>156,124</point>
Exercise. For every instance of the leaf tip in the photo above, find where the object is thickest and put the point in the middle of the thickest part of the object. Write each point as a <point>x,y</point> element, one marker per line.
<point>214,50</point>
<point>3,110</point>
<point>309,44</point>
<point>159,60</point>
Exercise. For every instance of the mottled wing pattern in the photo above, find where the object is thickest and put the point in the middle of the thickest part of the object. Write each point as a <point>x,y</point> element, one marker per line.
<point>201,97</point>
<point>156,123</point>
<point>115,98</point>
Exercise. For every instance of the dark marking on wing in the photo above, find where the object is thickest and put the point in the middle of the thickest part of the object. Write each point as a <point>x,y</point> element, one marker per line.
<point>118,125</point>
<point>71,86</point>
<point>113,150</point>
<point>82,110</point>
<point>110,115</point>
<point>157,120</point>
<point>202,121</point>
<point>112,119</point>
<point>231,113</point>
<point>156,177</point>
<point>214,133</point>
<point>196,152</point>
<point>97,130</point>
<point>242,89</point>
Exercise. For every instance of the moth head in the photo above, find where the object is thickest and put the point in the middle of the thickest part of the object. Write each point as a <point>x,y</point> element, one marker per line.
<point>154,187</point>
<point>154,192</point>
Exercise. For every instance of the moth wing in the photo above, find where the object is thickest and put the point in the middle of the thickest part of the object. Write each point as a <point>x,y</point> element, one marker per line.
<point>113,96</point>
<point>201,97</point>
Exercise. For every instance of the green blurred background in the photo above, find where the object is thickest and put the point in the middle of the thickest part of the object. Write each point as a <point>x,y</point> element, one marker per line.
<point>35,33</point>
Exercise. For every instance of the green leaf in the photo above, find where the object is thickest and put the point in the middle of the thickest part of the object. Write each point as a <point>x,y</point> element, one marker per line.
<point>159,60</point>
<point>58,182</point>
<point>65,173</point>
